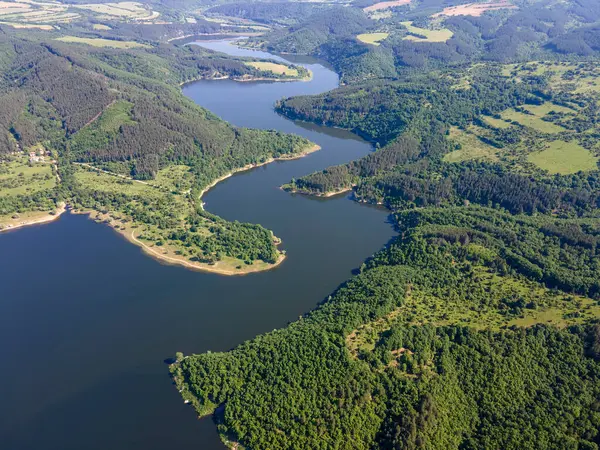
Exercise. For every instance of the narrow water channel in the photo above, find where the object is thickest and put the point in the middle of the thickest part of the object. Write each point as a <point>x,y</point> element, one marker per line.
<point>86,319</point>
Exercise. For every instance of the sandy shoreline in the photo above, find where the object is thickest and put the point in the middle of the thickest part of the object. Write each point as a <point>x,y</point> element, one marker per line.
<point>323,195</point>
<point>158,253</point>
<point>201,267</point>
<point>174,260</point>
<point>129,234</point>
<point>37,221</point>
<point>309,77</point>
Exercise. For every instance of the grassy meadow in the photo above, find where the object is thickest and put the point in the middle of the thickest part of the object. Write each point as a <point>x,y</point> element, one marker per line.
<point>564,158</point>
<point>99,42</point>
<point>425,35</point>
<point>279,69</point>
<point>372,38</point>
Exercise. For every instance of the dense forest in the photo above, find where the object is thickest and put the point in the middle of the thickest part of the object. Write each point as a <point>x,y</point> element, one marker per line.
<point>479,326</point>
<point>476,141</point>
<point>426,347</point>
<point>413,36</point>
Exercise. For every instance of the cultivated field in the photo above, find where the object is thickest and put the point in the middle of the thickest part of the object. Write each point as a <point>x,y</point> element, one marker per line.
<point>475,9</point>
<point>424,35</point>
<point>98,42</point>
<point>28,26</point>
<point>10,7</point>
<point>129,10</point>
<point>41,13</point>
<point>385,5</point>
<point>35,13</point>
<point>372,38</point>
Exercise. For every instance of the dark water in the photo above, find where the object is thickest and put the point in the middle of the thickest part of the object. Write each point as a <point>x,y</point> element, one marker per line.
<point>86,319</point>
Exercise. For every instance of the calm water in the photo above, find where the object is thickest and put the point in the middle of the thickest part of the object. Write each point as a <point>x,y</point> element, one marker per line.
<point>86,319</point>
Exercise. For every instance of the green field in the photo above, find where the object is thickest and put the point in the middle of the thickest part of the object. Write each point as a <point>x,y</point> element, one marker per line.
<point>547,108</point>
<point>98,42</point>
<point>426,308</point>
<point>496,123</point>
<point>578,78</point>
<point>372,38</point>
<point>117,114</point>
<point>424,35</point>
<point>102,182</point>
<point>177,179</point>
<point>472,148</point>
<point>532,121</point>
<point>18,177</point>
<point>279,69</point>
<point>564,158</point>
<point>98,132</point>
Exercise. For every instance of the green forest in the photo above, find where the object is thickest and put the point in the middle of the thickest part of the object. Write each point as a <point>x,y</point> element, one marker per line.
<point>127,146</point>
<point>479,325</point>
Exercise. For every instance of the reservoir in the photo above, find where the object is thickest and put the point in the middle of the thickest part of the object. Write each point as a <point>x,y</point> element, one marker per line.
<point>87,320</point>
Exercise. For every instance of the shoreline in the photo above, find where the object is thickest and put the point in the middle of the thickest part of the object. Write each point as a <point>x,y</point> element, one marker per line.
<point>309,77</point>
<point>156,254</point>
<point>323,195</point>
<point>129,235</point>
<point>232,34</point>
<point>200,267</point>
<point>47,218</point>
<point>306,152</point>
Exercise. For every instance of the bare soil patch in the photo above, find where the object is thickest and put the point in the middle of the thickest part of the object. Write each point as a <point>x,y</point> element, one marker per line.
<point>475,9</point>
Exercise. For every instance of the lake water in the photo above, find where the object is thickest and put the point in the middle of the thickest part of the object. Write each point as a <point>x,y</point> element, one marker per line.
<point>87,320</point>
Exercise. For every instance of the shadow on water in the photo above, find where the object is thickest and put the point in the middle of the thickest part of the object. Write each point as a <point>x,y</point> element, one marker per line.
<point>87,320</point>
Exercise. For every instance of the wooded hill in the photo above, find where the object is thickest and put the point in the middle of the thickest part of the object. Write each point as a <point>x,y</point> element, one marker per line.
<point>122,111</point>
<point>446,339</point>
<point>537,29</point>
<point>479,326</point>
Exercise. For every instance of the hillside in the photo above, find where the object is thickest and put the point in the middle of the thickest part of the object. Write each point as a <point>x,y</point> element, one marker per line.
<point>127,146</point>
<point>479,326</point>
<point>429,34</point>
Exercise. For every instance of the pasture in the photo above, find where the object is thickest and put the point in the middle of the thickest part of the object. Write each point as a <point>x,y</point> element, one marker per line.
<point>279,69</point>
<point>98,42</point>
<point>417,34</point>
<point>471,146</point>
<point>564,158</point>
<point>372,38</point>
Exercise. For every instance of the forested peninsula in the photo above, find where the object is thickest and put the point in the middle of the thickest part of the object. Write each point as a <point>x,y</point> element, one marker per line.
<point>478,326</point>
<point>108,132</point>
